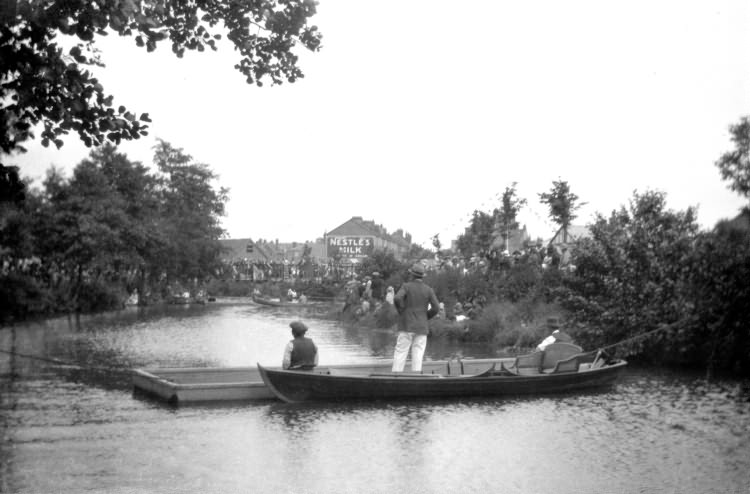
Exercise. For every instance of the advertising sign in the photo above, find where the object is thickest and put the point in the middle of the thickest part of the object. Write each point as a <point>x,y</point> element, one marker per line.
<point>350,247</point>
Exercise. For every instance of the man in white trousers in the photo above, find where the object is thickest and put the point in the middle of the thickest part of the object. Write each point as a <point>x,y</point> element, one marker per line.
<point>416,304</point>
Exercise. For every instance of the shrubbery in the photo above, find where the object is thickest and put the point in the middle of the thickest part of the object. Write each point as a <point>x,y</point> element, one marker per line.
<point>646,268</point>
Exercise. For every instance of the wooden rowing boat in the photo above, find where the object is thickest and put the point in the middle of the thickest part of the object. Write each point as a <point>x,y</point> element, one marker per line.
<point>275,302</point>
<point>225,384</point>
<point>323,385</point>
<point>328,384</point>
<point>267,301</point>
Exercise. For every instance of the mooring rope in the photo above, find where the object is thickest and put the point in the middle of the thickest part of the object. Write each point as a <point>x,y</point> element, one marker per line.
<point>63,363</point>
<point>636,337</point>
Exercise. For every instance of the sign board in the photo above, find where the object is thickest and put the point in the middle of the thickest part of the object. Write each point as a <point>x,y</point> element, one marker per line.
<point>350,247</point>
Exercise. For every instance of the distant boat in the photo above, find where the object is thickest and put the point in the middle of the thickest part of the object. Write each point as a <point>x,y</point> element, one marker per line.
<point>273,302</point>
<point>527,375</point>
<point>276,302</point>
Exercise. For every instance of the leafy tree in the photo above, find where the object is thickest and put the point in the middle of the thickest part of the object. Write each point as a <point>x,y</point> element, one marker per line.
<point>630,276</point>
<point>382,261</point>
<point>477,238</point>
<point>12,188</point>
<point>190,211</point>
<point>562,204</point>
<point>719,300</point>
<point>735,165</point>
<point>114,226</point>
<point>43,83</point>
<point>13,231</point>
<point>95,226</point>
<point>508,212</point>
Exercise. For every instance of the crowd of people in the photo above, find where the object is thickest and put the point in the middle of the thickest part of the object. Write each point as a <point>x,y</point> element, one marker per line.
<point>367,294</point>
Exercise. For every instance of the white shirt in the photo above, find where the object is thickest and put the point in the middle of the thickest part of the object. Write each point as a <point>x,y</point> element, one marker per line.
<point>547,341</point>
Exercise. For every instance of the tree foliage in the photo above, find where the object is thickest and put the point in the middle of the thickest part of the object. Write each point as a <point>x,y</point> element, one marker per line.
<point>632,276</point>
<point>477,238</point>
<point>189,214</point>
<point>42,82</point>
<point>384,262</point>
<point>112,227</point>
<point>562,203</point>
<point>734,165</point>
<point>507,215</point>
<point>720,298</point>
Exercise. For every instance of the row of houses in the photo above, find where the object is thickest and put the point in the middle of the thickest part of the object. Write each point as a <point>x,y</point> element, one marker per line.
<point>348,243</point>
<point>517,240</point>
<point>357,238</point>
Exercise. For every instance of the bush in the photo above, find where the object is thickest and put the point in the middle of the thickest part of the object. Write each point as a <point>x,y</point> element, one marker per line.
<point>100,296</point>
<point>517,325</point>
<point>229,288</point>
<point>21,296</point>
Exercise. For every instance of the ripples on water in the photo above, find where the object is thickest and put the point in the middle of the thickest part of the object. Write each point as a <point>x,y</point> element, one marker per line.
<point>67,430</point>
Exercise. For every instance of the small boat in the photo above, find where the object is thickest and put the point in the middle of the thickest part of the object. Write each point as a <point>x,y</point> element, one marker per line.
<point>276,302</point>
<point>273,302</point>
<point>201,385</point>
<point>194,385</point>
<point>531,374</point>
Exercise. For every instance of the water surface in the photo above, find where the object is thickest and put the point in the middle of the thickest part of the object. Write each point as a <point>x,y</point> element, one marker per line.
<point>72,424</point>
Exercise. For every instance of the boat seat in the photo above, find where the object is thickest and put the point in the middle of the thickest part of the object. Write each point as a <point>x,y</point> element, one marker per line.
<point>528,364</point>
<point>546,361</point>
<point>598,360</point>
<point>557,351</point>
<point>569,364</point>
<point>454,368</point>
<point>503,370</point>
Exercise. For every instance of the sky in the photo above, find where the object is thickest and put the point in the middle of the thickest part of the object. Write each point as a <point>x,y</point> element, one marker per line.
<point>416,113</point>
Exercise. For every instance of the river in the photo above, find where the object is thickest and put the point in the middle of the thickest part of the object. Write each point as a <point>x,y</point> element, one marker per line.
<point>71,423</point>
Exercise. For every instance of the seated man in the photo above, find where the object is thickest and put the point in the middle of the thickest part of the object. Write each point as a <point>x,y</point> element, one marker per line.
<point>301,352</point>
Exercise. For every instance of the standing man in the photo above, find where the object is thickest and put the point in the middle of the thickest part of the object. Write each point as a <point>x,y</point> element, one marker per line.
<point>378,288</point>
<point>416,304</point>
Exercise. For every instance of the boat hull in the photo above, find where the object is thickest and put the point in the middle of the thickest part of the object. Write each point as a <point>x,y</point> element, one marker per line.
<point>317,385</point>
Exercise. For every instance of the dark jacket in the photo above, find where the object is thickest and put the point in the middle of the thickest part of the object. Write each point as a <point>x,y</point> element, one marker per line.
<point>378,288</point>
<point>412,301</point>
<point>303,353</point>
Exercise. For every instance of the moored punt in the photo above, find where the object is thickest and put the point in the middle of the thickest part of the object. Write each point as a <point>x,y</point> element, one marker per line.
<point>327,384</point>
<point>196,385</point>
<point>222,384</point>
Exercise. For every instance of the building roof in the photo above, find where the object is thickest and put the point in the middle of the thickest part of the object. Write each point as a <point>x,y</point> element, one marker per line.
<point>263,251</point>
<point>356,226</point>
<point>516,240</point>
<point>574,233</point>
<point>235,249</point>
